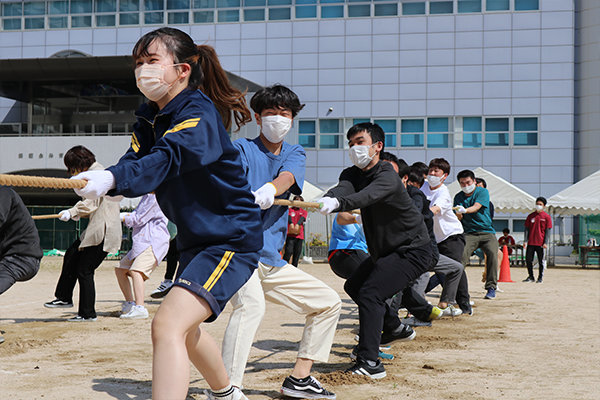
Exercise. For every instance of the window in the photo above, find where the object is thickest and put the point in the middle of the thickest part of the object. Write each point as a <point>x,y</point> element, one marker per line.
<point>105,20</point>
<point>332,11</point>
<point>81,6</point>
<point>359,10</point>
<point>103,6</point>
<point>58,7</point>
<point>524,5</point>
<point>386,9</point>
<point>254,3</point>
<point>413,8</point>
<point>496,131</point>
<point>178,17</point>
<point>277,14</point>
<point>204,3</point>
<point>389,127</point>
<point>500,224</point>
<point>469,6</point>
<point>12,9</point>
<point>203,17</point>
<point>441,7</point>
<point>34,23</point>
<point>471,132</point>
<point>57,22</point>
<point>437,140</point>
<point>81,21</point>
<point>497,5</point>
<point>34,8</point>
<point>157,17</point>
<point>518,225</point>
<point>525,132</point>
<point>307,134</point>
<point>254,14</point>
<point>412,133</point>
<point>129,19</point>
<point>306,12</point>
<point>129,5</point>
<point>228,3</point>
<point>178,4</point>
<point>228,16</point>
<point>329,130</point>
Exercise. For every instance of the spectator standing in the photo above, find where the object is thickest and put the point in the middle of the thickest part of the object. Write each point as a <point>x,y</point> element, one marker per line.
<point>295,235</point>
<point>537,227</point>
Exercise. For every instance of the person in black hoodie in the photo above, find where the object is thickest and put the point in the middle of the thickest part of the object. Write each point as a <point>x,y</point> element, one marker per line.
<point>396,235</point>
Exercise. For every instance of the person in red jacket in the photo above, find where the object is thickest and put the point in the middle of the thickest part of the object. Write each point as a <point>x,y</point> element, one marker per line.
<point>537,227</point>
<point>295,235</point>
<point>506,240</point>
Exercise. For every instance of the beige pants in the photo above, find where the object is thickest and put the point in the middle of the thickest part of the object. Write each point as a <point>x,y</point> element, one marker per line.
<point>290,287</point>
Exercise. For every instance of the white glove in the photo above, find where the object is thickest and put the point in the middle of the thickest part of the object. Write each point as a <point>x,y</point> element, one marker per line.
<point>64,215</point>
<point>461,210</point>
<point>265,195</point>
<point>99,182</point>
<point>358,218</point>
<point>123,215</point>
<point>328,204</point>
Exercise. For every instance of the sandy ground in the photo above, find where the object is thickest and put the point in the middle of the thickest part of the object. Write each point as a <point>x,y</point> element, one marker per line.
<point>532,342</point>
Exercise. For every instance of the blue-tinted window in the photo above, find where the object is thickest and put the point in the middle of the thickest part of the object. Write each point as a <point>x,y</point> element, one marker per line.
<point>523,5</point>
<point>57,22</point>
<point>306,127</point>
<point>526,124</point>
<point>472,124</point>
<point>151,5</point>
<point>518,225</point>
<point>329,125</point>
<point>129,19</point>
<point>203,17</point>
<point>228,16</point>
<point>129,5</point>
<point>412,140</point>
<point>332,11</point>
<point>204,3</point>
<point>81,6</point>
<point>105,20</point>
<point>412,125</point>
<point>151,18</point>
<point>178,4</point>
<point>178,18</point>
<point>413,8</point>
<point>276,14</point>
<point>34,23</point>
<point>12,10</point>
<point>330,1</point>
<point>496,124</point>
<point>254,3</point>
<point>469,6</point>
<point>471,140</point>
<point>471,132</point>
<point>306,11</point>
<point>11,24</point>
<point>360,120</point>
<point>254,14</point>
<point>34,8</point>
<point>386,9</point>
<point>359,10</point>
<point>437,124</point>
<point>307,141</point>
<point>329,141</point>
<point>525,139</point>
<point>389,127</point>
<point>279,2</point>
<point>58,7</point>
<point>228,4</point>
<point>306,1</point>
<point>496,131</point>
<point>81,21</point>
<point>441,7</point>
<point>525,132</point>
<point>437,140</point>
<point>497,5</point>
<point>107,5</point>
<point>500,224</point>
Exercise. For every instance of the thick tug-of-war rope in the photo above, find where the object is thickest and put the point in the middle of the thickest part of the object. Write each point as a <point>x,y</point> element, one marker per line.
<point>41,181</point>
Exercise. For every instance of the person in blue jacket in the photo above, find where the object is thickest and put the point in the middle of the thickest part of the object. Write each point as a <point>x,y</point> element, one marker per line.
<point>180,150</point>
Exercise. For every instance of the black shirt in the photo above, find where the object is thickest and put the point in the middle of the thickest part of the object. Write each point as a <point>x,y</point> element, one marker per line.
<point>390,220</point>
<point>18,234</point>
<point>422,204</point>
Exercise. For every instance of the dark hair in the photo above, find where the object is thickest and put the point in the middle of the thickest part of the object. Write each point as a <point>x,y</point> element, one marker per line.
<point>505,230</point>
<point>276,96</point>
<point>403,168</point>
<point>78,158</point>
<point>415,176</point>
<point>206,72</point>
<point>465,173</point>
<point>298,197</point>
<point>374,130</point>
<point>441,164</point>
<point>542,199</point>
<point>420,168</point>
<point>482,181</point>
<point>387,156</point>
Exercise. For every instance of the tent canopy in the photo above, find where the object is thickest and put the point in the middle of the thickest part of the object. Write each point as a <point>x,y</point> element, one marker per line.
<point>581,198</point>
<point>507,198</point>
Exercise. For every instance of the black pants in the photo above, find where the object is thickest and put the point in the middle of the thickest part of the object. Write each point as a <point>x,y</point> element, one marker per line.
<point>17,268</point>
<point>373,283</point>
<point>293,248</point>
<point>79,266</point>
<point>344,262</point>
<point>172,260</point>
<point>453,247</point>
<point>529,252</point>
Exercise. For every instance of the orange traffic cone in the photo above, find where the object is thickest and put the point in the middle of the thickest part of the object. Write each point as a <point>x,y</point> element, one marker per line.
<point>505,267</point>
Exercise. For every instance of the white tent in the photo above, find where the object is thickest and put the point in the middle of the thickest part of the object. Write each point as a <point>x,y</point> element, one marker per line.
<point>507,198</point>
<point>581,198</point>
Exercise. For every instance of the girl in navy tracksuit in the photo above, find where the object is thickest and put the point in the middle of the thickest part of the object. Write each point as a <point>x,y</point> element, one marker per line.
<point>180,149</point>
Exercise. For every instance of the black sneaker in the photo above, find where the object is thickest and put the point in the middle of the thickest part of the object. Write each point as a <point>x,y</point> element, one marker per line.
<point>540,280</point>
<point>403,333</point>
<point>56,303</point>
<point>362,367</point>
<point>529,279</point>
<point>307,388</point>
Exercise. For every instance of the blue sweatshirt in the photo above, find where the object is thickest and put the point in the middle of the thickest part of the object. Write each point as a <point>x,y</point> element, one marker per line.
<point>184,155</point>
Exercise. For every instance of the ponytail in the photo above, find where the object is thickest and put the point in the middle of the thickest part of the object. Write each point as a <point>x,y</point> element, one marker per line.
<point>214,83</point>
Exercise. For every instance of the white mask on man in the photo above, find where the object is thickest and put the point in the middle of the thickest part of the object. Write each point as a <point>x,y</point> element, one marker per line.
<point>539,207</point>
<point>468,189</point>
<point>275,127</point>
<point>434,181</point>
<point>359,155</point>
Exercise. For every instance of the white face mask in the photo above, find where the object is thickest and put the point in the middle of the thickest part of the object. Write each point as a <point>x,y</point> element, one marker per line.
<point>359,155</point>
<point>539,207</point>
<point>468,189</point>
<point>434,181</point>
<point>275,127</point>
<point>150,79</point>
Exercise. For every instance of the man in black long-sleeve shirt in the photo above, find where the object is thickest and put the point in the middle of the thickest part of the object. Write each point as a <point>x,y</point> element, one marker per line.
<point>396,235</point>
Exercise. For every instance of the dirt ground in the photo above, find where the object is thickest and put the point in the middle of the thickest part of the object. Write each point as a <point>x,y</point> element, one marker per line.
<point>532,342</point>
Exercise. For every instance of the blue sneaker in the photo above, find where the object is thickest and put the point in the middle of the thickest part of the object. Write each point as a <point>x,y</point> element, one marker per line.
<point>491,294</point>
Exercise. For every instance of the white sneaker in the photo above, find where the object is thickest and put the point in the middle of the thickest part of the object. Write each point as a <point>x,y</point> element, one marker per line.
<point>236,394</point>
<point>162,289</point>
<point>127,306</point>
<point>450,311</point>
<point>136,312</point>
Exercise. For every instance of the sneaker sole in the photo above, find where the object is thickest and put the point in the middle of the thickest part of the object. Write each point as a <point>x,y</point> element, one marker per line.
<point>298,394</point>
<point>136,317</point>
<point>58,305</point>
<point>83,320</point>
<point>160,295</point>
<point>379,375</point>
